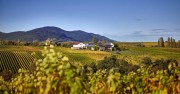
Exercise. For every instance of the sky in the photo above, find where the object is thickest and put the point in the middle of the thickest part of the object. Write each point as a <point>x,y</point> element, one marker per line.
<point>121,20</point>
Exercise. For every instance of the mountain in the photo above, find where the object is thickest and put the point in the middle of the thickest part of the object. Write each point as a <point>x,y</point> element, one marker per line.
<point>43,33</point>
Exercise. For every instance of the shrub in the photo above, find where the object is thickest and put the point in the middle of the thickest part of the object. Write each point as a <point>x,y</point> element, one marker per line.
<point>146,61</point>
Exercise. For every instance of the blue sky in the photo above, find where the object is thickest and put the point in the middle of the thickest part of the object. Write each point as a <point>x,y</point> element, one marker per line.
<point>121,20</point>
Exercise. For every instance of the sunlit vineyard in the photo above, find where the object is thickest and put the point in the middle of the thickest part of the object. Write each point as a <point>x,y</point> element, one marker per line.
<point>14,60</point>
<point>55,74</point>
<point>82,56</point>
<point>133,53</point>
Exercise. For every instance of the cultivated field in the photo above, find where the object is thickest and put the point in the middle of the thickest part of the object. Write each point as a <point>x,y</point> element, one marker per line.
<point>15,57</point>
<point>56,74</point>
<point>133,54</point>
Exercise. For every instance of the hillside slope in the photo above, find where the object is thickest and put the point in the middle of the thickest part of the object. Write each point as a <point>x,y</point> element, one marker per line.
<point>43,33</point>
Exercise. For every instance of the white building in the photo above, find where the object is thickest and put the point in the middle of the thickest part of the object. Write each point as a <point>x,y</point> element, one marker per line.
<point>78,46</point>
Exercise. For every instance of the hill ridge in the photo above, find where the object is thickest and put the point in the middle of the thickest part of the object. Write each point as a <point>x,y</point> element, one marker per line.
<point>43,33</point>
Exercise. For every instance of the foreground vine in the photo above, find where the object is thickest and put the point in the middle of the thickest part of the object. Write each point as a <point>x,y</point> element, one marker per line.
<point>56,75</point>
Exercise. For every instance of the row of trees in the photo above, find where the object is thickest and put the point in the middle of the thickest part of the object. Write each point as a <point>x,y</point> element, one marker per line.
<point>37,43</point>
<point>17,43</point>
<point>171,42</point>
<point>24,43</point>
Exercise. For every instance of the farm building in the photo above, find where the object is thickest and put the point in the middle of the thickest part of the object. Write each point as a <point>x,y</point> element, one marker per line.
<point>78,45</point>
<point>90,46</point>
<point>106,47</point>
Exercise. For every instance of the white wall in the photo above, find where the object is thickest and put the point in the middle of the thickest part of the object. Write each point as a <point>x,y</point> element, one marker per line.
<point>80,45</point>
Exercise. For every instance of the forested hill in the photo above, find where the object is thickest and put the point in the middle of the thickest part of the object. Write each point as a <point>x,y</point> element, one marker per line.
<point>43,33</point>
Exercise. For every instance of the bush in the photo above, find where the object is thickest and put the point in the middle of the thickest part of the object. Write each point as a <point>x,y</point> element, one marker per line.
<point>146,61</point>
<point>108,63</point>
<point>161,64</point>
<point>120,66</point>
<point>6,74</point>
<point>140,45</point>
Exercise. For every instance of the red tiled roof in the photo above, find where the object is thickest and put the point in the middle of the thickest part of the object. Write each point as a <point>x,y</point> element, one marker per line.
<point>75,43</point>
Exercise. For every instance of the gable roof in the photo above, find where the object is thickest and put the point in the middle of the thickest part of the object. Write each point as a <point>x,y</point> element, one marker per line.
<point>75,43</point>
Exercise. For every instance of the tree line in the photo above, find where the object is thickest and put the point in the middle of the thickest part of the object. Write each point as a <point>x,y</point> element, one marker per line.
<point>35,43</point>
<point>171,42</point>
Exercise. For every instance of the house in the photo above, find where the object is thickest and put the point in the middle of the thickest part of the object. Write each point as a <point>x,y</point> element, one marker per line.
<point>78,45</point>
<point>106,47</point>
<point>101,47</point>
<point>109,46</point>
<point>90,46</point>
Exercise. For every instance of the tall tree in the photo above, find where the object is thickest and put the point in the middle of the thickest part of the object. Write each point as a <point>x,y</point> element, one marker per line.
<point>171,42</point>
<point>94,40</point>
<point>174,43</point>
<point>162,42</point>
<point>103,41</point>
<point>168,42</point>
<point>158,42</point>
<point>178,43</point>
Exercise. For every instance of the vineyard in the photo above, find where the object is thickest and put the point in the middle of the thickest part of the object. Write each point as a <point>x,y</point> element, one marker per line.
<point>55,74</point>
<point>133,53</point>
<point>82,56</point>
<point>15,60</point>
<point>15,57</point>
